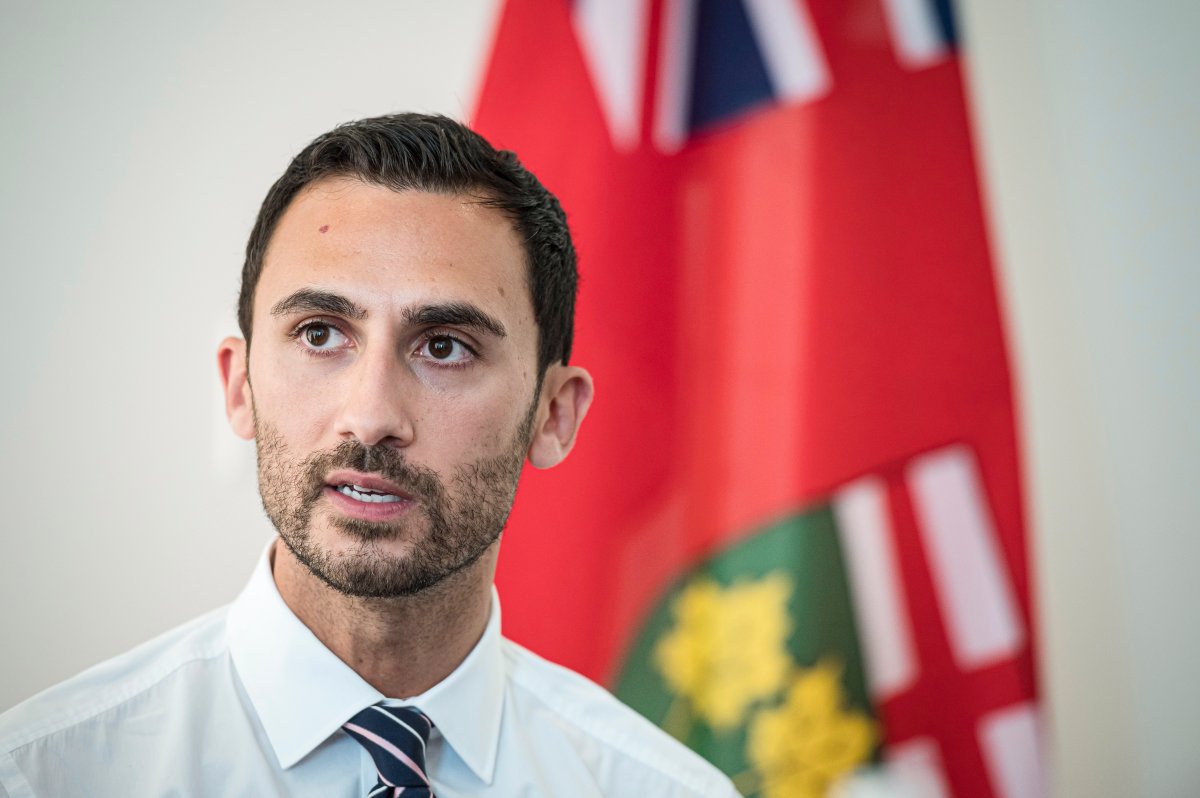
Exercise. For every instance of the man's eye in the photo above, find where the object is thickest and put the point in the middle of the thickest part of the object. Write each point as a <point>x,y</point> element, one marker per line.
<point>446,349</point>
<point>321,336</point>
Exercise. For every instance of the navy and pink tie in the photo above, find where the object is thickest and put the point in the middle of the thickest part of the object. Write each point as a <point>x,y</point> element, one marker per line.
<point>395,737</point>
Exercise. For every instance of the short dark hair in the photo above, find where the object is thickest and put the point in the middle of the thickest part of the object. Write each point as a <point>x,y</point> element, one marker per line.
<point>432,153</point>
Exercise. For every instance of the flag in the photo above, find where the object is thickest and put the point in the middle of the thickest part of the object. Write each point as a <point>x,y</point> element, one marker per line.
<point>791,532</point>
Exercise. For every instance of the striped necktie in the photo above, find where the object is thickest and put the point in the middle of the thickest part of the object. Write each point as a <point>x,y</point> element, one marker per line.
<point>395,737</point>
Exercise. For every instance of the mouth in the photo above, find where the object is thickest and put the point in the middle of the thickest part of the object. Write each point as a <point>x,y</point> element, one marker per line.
<point>359,493</point>
<point>366,496</point>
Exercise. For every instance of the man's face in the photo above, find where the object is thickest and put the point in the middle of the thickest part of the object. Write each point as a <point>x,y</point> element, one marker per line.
<point>393,370</point>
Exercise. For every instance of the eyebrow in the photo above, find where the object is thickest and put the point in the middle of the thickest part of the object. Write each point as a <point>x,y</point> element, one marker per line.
<point>449,314</point>
<point>455,314</point>
<point>310,300</point>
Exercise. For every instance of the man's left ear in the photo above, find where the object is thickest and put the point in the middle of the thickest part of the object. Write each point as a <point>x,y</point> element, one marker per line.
<point>564,401</point>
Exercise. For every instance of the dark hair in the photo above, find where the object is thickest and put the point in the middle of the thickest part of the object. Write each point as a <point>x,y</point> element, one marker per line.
<point>434,153</point>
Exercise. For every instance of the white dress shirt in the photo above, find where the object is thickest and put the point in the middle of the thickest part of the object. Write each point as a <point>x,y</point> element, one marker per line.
<point>245,701</point>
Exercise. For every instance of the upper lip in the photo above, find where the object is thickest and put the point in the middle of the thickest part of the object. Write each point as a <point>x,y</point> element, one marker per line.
<point>368,481</point>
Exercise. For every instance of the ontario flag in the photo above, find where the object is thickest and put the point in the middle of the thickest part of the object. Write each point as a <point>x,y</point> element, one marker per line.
<point>791,532</point>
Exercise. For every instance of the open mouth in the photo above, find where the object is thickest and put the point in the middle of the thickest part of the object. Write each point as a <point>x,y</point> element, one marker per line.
<point>363,494</point>
<point>366,496</point>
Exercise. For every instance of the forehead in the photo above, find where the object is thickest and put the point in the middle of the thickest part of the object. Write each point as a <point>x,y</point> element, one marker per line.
<point>385,247</point>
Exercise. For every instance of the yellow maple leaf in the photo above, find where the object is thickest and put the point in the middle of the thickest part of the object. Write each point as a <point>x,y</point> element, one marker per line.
<point>801,747</point>
<point>728,646</point>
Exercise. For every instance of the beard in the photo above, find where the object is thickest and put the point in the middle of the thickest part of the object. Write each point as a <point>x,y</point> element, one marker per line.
<point>461,519</point>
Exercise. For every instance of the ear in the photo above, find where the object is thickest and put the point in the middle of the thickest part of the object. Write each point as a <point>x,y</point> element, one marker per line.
<point>239,403</point>
<point>566,397</point>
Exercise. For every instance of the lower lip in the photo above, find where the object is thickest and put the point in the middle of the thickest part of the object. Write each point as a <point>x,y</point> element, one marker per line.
<point>367,511</point>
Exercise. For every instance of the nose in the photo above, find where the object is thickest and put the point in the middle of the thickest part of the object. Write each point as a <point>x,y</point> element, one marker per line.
<point>375,406</point>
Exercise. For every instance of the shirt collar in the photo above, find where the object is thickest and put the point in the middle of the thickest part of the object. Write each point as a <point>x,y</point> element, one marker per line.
<point>303,693</point>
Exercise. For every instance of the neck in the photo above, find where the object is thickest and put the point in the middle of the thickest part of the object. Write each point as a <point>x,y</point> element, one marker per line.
<point>435,629</point>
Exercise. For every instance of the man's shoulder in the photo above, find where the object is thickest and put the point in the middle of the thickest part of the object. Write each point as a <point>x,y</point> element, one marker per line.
<point>112,683</point>
<point>585,709</point>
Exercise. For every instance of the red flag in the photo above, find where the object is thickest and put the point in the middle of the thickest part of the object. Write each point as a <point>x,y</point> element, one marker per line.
<point>788,304</point>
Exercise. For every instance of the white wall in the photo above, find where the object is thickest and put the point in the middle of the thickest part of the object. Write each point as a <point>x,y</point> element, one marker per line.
<point>138,142</point>
<point>138,139</point>
<point>1090,122</point>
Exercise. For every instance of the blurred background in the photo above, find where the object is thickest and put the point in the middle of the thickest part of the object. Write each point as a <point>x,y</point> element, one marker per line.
<point>140,137</point>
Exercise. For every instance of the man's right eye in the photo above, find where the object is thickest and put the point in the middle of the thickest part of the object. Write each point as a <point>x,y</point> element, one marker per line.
<point>321,337</point>
<point>317,335</point>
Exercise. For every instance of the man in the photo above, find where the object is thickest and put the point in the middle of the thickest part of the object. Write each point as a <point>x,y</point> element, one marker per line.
<point>407,307</point>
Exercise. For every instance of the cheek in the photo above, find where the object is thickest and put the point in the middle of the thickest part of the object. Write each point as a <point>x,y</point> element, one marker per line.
<point>298,405</point>
<point>465,428</point>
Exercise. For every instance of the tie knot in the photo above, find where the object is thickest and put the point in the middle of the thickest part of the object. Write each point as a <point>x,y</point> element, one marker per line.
<point>395,737</point>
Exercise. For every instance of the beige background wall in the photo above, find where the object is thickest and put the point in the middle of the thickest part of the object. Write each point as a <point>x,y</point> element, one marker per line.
<point>139,138</point>
<point>1090,121</point>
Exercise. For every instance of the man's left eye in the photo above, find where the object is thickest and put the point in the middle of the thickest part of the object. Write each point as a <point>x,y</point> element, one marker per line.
<point>445,349</point>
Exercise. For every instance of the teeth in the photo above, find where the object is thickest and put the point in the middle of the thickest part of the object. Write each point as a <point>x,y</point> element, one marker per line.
<point>359,493</point>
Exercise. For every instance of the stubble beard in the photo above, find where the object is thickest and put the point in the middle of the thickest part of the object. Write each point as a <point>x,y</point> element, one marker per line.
<point>461,520</point>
